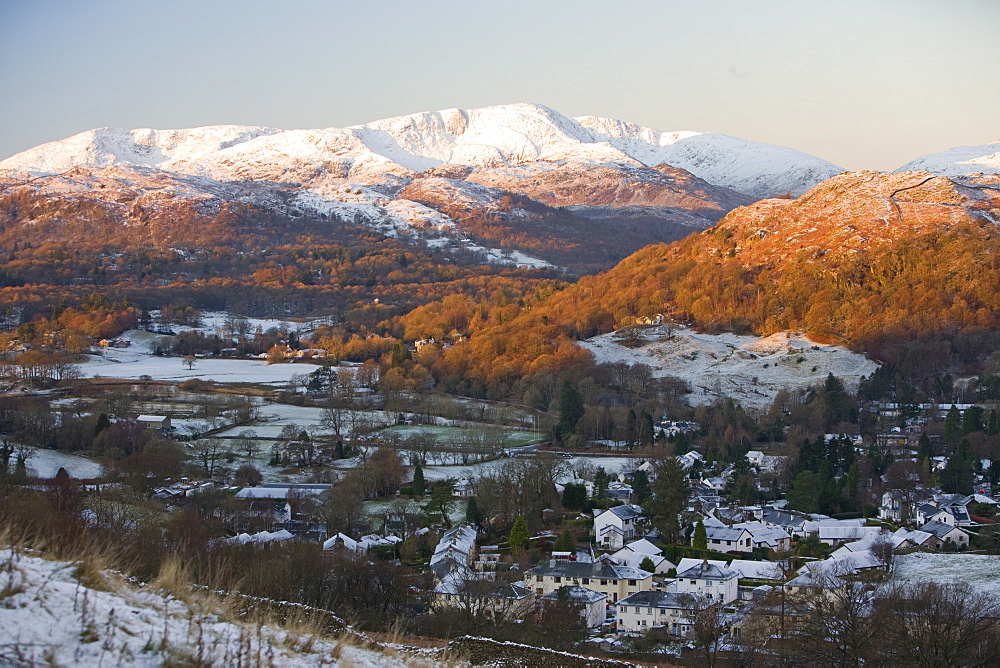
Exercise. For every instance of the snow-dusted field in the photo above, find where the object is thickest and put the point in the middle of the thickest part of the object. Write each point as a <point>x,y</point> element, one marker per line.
<point>748,369</point>
<point>138,360</point>
<point>612,465</point>
<point>49,617</point>
<point>46,463</point>
<point>981,571</point>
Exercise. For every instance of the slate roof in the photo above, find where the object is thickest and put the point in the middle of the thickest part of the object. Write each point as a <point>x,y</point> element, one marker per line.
<point>723,533</point>
<point>576,594</point>
<point>602,570</point>
<point>707,571</point>
<point>659,599</point>
<point>939,529</point>
<point>624,512</point>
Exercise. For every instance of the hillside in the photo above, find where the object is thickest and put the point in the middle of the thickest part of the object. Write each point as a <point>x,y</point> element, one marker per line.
<point>959,160</point>
<point>885,263</point>
<point>61,613</point>
<point>520,184</point>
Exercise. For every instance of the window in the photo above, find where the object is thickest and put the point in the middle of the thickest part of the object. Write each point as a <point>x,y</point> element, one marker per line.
<point>643,622</point>
<point>604,582</point>
<point>558,579</point>
<point>694,582</point>
<point>624,608</point>
<point>538,578</point>
<point>708,583</point>
<point>586,581</point>
<point>632,582</point>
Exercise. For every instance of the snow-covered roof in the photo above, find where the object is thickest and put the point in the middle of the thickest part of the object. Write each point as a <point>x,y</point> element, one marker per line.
<point>457,544</point>
<point>261,537</point>
<point>707,571</point>
<point>757,570</point>
<point>642,546</point>
<point>576,594</point>
<point>276,491</point>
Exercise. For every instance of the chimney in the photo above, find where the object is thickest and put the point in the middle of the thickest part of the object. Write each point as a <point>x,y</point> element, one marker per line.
<point>552,563</point>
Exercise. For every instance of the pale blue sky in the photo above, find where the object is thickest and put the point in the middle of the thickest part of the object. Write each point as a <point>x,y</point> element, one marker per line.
<point>865,84</point>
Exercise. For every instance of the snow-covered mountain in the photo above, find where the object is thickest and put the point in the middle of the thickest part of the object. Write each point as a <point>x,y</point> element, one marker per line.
<point>492,137</point>
<point>958,161</point>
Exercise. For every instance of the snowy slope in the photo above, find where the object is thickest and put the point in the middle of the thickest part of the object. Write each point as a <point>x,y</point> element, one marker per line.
<point>52,615</point>
<point>958,161</point>
<point>500,136</point>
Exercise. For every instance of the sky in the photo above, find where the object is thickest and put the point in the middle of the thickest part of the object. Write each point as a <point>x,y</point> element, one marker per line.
<point>865,84</point>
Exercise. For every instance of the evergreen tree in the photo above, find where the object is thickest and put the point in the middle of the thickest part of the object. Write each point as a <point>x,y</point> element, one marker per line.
<point>565,542</point>
<point>418,481</point>
<point>443,498</point>
<point>972,420</point>
<point>518,535</point>
<point>646,429</point>
<point>952,425</point>
<point>400,353</point>
<point>669,497</point>
<point>993,426</point>
<point>640,486</point>
<point>570,409</point>
<point>647,565</point>
<point>472,515</point>
<point>804,493</point>
<point>574,496</point>
<point>700,540</point>
<point>958,476</point>
<point>925,452</point>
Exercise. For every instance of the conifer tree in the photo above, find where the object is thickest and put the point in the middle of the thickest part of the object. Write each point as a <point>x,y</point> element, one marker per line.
<point>570,409</point>
<point>565,542</point>
<point>418,481</point>
<point>700,540</point>
<point>518,535</point>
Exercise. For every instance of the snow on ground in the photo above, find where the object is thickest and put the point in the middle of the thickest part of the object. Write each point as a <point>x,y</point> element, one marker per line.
<point>748,369</point>
<point>138,360</point>
<point>49,617</point>
<point>613,465</point>
<point>980,571</point>
<point>46,463</point>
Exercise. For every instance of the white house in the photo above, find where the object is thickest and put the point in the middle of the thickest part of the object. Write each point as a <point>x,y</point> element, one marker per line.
<point>645,610</point>
<point>602,576</point>
<point>615,526</point>
<point>946,533</point>
<point>715,584</point>
<point>592,603</point>
<point>728,539</point>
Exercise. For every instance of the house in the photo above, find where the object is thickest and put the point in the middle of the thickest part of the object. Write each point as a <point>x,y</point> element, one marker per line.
<point>281,491</point>
<point>689,459</point>
<point>154,422</point>
<point>835,534</point>
<point>602,576</point>
<point>638,551</point>
<point>766,537</point>
<point>592,604</point>
<point>708,581</point>
<point>616,525</point>
<point>480,594</point>
<point>946,533</point>
<point>958,506</point>
<point>792,523</point>
<point>903,538</point>
<point>455,551</point>
<point>728,539</point>
<point>645,610</point>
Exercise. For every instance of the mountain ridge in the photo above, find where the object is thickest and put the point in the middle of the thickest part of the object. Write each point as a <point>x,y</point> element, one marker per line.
<point>498,136</point>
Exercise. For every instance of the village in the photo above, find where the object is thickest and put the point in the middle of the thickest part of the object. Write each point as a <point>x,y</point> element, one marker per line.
<point>625,547</point>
